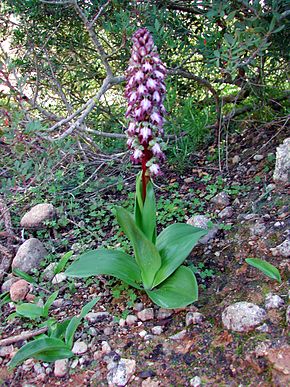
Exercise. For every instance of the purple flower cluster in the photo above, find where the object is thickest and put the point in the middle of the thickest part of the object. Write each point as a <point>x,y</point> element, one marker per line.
<point>145,91</point>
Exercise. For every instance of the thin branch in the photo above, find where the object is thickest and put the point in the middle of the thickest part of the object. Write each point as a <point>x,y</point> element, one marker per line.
<point>23,336</point>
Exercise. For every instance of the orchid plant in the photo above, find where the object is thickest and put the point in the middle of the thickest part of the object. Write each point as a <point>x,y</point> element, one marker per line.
<point>157,264</point>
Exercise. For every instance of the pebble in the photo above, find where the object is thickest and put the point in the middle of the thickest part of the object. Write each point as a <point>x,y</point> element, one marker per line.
<point>122,322</point>
<point>97,317</point>
<point>19,290</point>
<point>150,383</point>
<point>243,316</point>
<point>157,330</point>
<point>146,374</point>
<point>195,381</point>
<point>193,318</point>
<point>7,350</point>
<point>226,213</point>
<point>273,301</point>
<point>202,222</point>
<point>131,319</point>
<point>179,336</point>
<point>278,224</point>
<point>108,331</point>
<point>258,157</point>
<point>58,278</point>
<point>162,314</point>
<point>282,249</point>
<point>38,369</point>
<point>48,371</point>
<point>58,302</point>
<point>288,315</point>
<point>92,331</point>
<point>121,373</point>
<point>79,348</point>
<point>236,159</point>
<point>48,272</point>
<point>142,333</point>
<point>138,306</point>
<point>258,229</point>
<point>106,348</point>
<point>221,200</point>
<point>264,328</point>
<point>60,368</point>
<point>146,314</point>
<point>74,363</point>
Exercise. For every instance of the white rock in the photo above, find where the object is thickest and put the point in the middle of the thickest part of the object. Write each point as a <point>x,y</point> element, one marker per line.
<point>79,347</point>
<point>258,157</point>
<point>58,278</point>
<point>142,333</point>
<point>131,319</point>
<point>74,363</point>
<point>273,301</point>
<point>157,330</point>
<point>179,336</point>
<point>226,213</point>
<point>37,215</point>
<point>48,272</point>
<point>122,322</point>
<point>195,382</point>
<point>193,318</point>
<point>29,255</point>
<point>202,221</point>
<point>162,314</point>
<point>106,348</point>
<point>236,159</point>
<point>121,373</point>
<point>243,316</point>
<point>60,368</point>
<point>282,249</point>
<point>221,200</point>
<point>97,317</point>
<point>7,350</point>
<point>146,314</point>
<point>282,167</point>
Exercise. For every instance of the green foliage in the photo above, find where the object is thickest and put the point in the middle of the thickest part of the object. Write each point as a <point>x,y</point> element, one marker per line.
<point>33,311</point>
<point>157,266</point>
<point>265,267</point>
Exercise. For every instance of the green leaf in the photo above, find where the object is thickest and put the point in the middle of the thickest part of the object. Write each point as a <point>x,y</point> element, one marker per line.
<point>58,330</point>
<point>62,262</point>
<point>179,290</point>
<point>46,349</point>
<point>149,214</point>
<point>146,254</point>
<point>4,298</point>
<point>111,262</point>
<point>31,311</point>
<point>174,245</point>
<point>86,308</point>
<point>23,275</point>
<point>266,267</point>
<point>49,302</point>
<point>138,208</point>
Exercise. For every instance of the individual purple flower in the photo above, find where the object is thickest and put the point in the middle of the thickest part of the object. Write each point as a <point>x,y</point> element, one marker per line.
<point>145,92</point>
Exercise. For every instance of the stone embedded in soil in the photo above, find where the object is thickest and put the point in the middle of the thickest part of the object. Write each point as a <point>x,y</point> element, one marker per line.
<point>37,216</point>
<point>146,374</point>
<point>202,221</point>
<point>243,316</point>
<point>195,381</point>
<point>97,317</point>
<point>58,278</point>
<point>19,290</point>
<point>138,306</point>
<point>146,314</point>
<point>106,348</point>
<point>236,159</point>
<point>273,301</point>
<point>258,157</point>
<point>226,213</point>
<point>131,319</point>
<point>282,249</point>
<point>29,255</point>
<point>179,336</point>
<point>8,283</point>
<point>157,330</point>
<point>60,368</point>
<point>193,318</point>
<point>6,351</point>
<point>280,359</point>
<point>150,383</point>
<point>121,373</point>
<point>288,315</point>
<point>221,200</point>
<point>258,228</point>
<point>282,166</point>
<point>48,272</point>
<point>162,314</point>
<point>79,348</point>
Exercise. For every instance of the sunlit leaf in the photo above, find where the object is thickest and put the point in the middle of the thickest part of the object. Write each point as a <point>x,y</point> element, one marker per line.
<point>266,267</point>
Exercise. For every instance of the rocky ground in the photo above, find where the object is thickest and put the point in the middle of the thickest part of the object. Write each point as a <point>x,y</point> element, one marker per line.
<point>235,335</point>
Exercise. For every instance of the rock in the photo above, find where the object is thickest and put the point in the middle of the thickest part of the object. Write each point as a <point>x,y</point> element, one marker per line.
<point>79,348</point>
<point>58,303</point>
<point>258,229</point>
<point>221,200</point>
<point>150,383</point>
<point>195,382</point>
<point>121,373</point>
<point>131,319</point>
<point>108,331</point>
<point>37,216</point>
<point>280,359</point>
<point>142,333</point>
<point>97,317</point>
<point>273,301</point>
<point>258,157</point>
<point>106,348</point>
<point>146,374</point>
<point>38,369</point>
<point>19,290</point>
<point>29,255</point>
<point>162,314</point>
<point>226,213</point>
<point>243,316</point>
<point>193,318</point>
<point>60,368</point>
<point>8,283</point>
<point>138,306</point>
<point>6,351</point>
<point>122,322</point>
<point>157,330</point>
<point>48,272</point>
<point>58,278</point>
<point>282,249</point>
<point>236,159</point>
<point>282,167</point>
<point>288,315</point>
<point>202,221</point>
<point>74,363</point>
<point>179,336</point>
<point>264,328</point>
<point>146,314</point>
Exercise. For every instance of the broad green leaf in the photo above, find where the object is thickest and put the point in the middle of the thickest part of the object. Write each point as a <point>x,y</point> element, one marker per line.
<point>174,245</point>
<point>71,330</point>
<point>46,349</point>
<point>149,214</point>
<point>146,254</point>
<point>58,330</point>
<point>86,309</point>
<point>62,262</point>
<point>179,290</point>
<point>266,267</point>
<point>49,302</point>
<point>31,311</point>
<point>23,275</point>
<point>4,298</point>
<point>111,262</point>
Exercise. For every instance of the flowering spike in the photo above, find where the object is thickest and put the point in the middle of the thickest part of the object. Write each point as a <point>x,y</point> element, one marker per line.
<point>145,92</point>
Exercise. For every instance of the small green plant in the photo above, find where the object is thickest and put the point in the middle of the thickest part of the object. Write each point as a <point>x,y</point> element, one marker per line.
<point>267,268</point>
<point>57,344</point>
